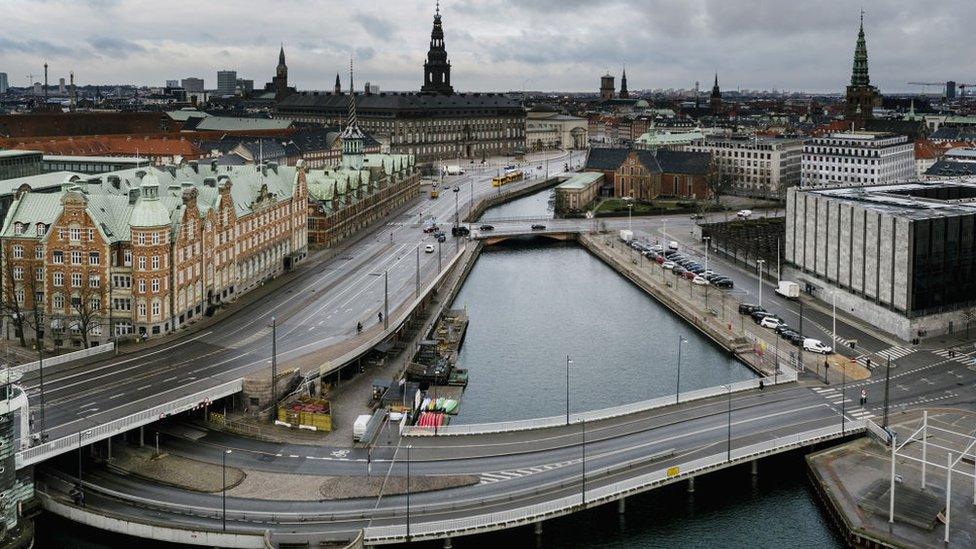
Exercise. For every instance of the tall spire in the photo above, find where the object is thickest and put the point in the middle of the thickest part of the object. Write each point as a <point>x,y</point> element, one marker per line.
<point>281,54</point>
<point>352,98</point>
<point>437,68</point>
<point>859,76</point>
<point>624,93</point>
<point>338,85</point>
<point>353,139</point>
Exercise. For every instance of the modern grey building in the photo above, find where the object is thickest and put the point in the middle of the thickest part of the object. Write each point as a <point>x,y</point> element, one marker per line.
<point>900,257</point>
<point>191,84</point>
<point>4,84</point>
<point>857,158</point>
<point>226,82</point>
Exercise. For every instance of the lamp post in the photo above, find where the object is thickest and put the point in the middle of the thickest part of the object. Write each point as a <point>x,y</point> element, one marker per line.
<point>583,423</point>
<point>833,316</point>
<point>677,390</point>
<point>457,191</point>
<point>759,265</point>
<point>408,492</point>
<point>274,364</point>
<point>630,214</point>
<point>568,362</point>
<point>386,299</point>
<point>728,451</point>
<point>884,419</point>
<point>223,489</point>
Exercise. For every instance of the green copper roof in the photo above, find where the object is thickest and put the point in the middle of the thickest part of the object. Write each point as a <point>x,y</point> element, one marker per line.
<point>859,76</point>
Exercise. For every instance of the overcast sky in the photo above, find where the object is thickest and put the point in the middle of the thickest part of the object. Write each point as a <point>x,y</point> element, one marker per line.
<point>493,44</point>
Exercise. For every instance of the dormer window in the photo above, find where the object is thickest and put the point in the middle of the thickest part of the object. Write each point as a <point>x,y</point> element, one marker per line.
<point>41,229</point>
<point>18,228</point>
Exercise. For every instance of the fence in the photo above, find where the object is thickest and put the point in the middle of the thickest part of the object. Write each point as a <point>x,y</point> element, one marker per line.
<point>788,376</point>
<point>63,444</point>
<point>67,357</point>
<point>609,492</point>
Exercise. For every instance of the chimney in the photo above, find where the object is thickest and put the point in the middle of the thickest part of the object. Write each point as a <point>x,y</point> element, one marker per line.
<point>133,195</point>
<point>273,166</point>
<point>210,182</point>
<point>140,174</point>
<point>195,166</point>
<point>213,165</point>
<point>115,181</point>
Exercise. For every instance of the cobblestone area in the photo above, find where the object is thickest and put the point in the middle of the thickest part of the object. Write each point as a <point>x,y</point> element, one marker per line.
<point>177,471</point>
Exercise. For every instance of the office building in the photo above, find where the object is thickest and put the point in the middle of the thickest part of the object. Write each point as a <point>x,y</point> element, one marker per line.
<point>899,257</point>
<point>226,82</point>
<point>191,84</point>
<point>857,158</point>
<point>4,84</point>
<point>758,166</point>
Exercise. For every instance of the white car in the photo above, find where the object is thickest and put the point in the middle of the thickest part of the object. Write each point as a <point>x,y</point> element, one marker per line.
<point>770,322</point>
<point>668,265</point>
<point>816,346</point>
<point>673,245</point>
<point>744,214</point>
<point>429,248</point>
<point>699,281</point>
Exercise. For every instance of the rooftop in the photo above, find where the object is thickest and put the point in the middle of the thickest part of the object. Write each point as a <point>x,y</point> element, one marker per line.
<point>12,153</point>
<point>581,180</point>
<point>914,201</point>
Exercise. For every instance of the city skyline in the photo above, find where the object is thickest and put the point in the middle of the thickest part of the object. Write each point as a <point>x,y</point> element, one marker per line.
<point>498,45</point>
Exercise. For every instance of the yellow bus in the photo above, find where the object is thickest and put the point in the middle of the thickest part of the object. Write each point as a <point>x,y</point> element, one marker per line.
<point>510,177</point>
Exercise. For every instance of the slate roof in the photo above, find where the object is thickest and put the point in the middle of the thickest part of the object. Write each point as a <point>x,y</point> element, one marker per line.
<point>665,161</point>
<point>951,168</point>
<point>400,102</point>
<point>949,133</point>
<point>684,162</point>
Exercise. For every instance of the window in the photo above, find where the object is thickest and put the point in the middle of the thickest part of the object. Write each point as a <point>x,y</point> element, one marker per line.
<point>41,229</point>
<point>57,257</point>
<point>96,303</point>
<point>127,258</point>
<point>155,308</point>
<point>76,280</point>
<point>155,238</point>
<point>59,279</point>
<point>18,228</point>
<point>76,258</point>
<point>18,252</point>
<point>142,285</point>
<point>38,252</point>
<point>142,263</point>
<point>18,273</point>
<point>94,281</point>
<point>91,235</point>
<point>93,258</point>
<point>155,284</point>
<point>58,301</point>
<point>142,309</point>
<point>74,234</point>
<point>155,262</point>
<point>39,274</point>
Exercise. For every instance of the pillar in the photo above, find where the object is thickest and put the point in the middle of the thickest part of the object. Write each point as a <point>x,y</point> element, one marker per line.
<point>142,436</point>
<point>108,442</point>
<point>538,528</point>
<point>447,543</point>
<point>622,505</point>
<point>691,485</point>
<point>755,468</point>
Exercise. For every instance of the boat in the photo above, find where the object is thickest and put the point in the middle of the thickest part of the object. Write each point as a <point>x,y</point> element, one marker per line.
<point>450,406</point>
<point>440,403</point>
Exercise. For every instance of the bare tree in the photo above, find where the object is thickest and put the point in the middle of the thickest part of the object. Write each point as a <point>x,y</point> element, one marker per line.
<point>87,304</point>
<point>718,183</point>
<point>969,314</point>
<point>13,307</point>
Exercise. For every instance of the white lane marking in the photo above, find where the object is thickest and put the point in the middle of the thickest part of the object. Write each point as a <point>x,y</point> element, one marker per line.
<point>113,397</point>
<point>144,387</point>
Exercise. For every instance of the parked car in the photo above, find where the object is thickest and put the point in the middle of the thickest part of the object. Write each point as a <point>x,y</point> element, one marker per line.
<point>816,346</point>
<point>784,328</point>
<point>697,216</point>
<point>699,281</point>
<point>660,260</point>
<point>657,248</point>
<point>724,283</point>
<point>431,229</point>
<point>795,338</point>
<point>771,322</point>
<point>538,227</point>
<point>487,227</point>
<point>678,270</point>
<point>749,308</point>
<point>429,249</point>
<point>689,275</point>
<point>744,214</point>
<point>673,245</point>
<point>757,316</point>
<point>669,265</point>
<point>787,333</point>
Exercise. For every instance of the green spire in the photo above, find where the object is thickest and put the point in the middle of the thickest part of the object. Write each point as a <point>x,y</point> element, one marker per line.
<point>859,76</point>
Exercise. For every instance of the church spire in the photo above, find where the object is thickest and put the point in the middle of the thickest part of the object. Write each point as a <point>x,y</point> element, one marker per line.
<point>353,139</point>
<point>437,69</point>
<point>859,75</point>
<point>624,93</point>
<point>338,85</point>
<point>281,54</point>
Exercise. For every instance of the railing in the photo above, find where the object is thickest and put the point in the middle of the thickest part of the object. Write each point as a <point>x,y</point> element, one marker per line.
<point>67,357</point>
<point>87,436</point>
<point>788,376</point>
<point>608,492</point>
<point>878,432</point>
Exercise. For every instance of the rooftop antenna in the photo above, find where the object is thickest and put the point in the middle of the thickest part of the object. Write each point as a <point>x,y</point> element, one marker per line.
<point>45,82</point>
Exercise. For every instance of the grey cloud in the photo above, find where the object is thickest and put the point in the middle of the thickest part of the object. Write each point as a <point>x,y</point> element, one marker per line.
<point>376,27</point>
<point>114,47</point>
<point>34,47</point>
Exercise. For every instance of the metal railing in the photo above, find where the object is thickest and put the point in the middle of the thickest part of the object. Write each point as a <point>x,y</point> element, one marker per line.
<point>67,443</point>
<point>67,357</point>
<point>788,376</point>
<point>609,492</point>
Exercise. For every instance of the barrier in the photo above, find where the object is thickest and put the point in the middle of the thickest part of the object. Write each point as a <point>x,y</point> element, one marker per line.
<point>788,376</point>
<point>67,357</point>
<point>60,445</point>
<point>608,492</point>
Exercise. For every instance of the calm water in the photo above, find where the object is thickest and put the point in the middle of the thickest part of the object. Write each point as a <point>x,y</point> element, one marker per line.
<point>530,306</point>
<point>536,205</point>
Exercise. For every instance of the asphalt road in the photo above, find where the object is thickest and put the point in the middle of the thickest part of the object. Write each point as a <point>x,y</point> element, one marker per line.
<point>318,307</point>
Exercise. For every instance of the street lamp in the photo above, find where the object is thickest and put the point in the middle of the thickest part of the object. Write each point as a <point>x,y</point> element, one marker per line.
<point>728,455</point>
<point>274,365</point>
<point>223,488</point>
<point>457,191</point>
<point>568,362</point>
<point>677,391</point>
<point>759,265</point>
<point>708,242</point>
<point>408,492</point>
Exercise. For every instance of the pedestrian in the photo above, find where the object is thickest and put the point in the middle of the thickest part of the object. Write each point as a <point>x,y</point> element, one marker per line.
<point>761,385</point>
<point>864,396</point>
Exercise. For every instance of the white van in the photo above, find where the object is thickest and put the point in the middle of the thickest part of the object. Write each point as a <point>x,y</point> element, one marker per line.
<point>744,214</point>
<point>816,346</point>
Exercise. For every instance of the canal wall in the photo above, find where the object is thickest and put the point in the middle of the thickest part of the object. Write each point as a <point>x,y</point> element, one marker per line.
<point>509,193</point>
<point>665,291</point>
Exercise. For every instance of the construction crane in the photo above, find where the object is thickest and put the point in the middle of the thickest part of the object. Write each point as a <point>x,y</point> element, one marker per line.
<point>945,85</point>
<point>962,88</point>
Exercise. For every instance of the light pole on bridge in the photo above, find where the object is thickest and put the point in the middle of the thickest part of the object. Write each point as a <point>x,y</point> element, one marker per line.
<point>568,362</point>
<point>677,390</point>
<point>223,489</point>
<point>759,265</point>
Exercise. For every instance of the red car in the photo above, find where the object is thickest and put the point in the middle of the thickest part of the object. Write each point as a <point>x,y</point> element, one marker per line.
<point>688,274</point>
<point>431,229</point>
<point>660,259</point>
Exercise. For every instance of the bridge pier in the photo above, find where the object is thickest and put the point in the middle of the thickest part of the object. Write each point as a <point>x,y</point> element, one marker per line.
<point>755,468</point>
<point>538,528</point>
<point>691,485</point>
<point>142,436</point>
<point>108,443</point>
<point>447,543</point>
<point>622,505</point>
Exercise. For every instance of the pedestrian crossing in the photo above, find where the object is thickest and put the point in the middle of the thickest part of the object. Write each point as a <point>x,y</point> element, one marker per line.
<point>851,408</point>
<point>499,476</point>
<point>952,354</point>
<point>872,361</point>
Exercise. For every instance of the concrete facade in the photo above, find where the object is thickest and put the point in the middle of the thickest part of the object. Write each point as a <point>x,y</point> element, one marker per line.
<point>759,166</point>
<point>857,158</point>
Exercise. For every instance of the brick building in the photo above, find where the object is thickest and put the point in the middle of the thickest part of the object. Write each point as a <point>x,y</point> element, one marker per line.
<point>146,251</point>
<point>646,175</point>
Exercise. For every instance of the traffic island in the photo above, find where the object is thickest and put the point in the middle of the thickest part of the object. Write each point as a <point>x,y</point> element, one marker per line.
<point>853,482</point>
<point>174,470</point>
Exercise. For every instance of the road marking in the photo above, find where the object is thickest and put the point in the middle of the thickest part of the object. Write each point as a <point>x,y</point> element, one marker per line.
<point>113,397</point>
<point>144,387</point>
